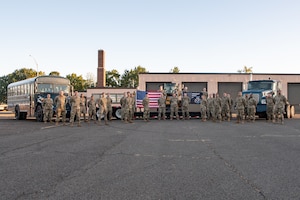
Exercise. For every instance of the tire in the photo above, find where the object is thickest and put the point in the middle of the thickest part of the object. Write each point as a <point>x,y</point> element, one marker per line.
<point>17,113</point>
<point>292,111</point>
<point>39,114</point>
<point>118,113</point>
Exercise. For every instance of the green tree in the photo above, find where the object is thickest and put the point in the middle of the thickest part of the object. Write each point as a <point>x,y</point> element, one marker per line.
<point>3,89</point>
<point>17,75</point>
<point>131,78</point>
<point>174,70</point>
<point>246,70</point>
<point>113,78</point>
<point>77,82</point>
<point>54,73</point>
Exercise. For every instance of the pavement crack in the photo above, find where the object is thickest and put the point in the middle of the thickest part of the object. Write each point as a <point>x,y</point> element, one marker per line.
<point>234,169</point>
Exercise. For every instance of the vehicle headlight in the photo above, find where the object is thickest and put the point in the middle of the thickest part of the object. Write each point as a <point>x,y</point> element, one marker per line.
<point>263,101</point>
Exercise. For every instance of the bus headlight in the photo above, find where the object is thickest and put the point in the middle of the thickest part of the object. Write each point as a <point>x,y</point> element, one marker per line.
<point>263,101</point>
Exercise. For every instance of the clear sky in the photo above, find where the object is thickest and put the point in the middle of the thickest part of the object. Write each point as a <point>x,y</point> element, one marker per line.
<point>194,35</point>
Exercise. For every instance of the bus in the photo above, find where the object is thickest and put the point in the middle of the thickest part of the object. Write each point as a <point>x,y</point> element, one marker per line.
<point>24,98</point>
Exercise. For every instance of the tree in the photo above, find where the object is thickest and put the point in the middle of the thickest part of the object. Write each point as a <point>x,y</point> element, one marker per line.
<point>90,80</point>
<point>113,78</point>
<point>77,82</point>
<point>3,88</point>
<point>175,70</point>
<point>131,78</point>
<point>17,75</point>
<point>245,70</point>
<point>54,73</point>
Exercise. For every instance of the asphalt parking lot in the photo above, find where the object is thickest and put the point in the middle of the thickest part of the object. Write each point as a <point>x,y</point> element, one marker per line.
<point>150,160</point>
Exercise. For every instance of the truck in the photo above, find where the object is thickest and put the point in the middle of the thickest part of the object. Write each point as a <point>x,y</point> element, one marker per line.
<point>260,89</point>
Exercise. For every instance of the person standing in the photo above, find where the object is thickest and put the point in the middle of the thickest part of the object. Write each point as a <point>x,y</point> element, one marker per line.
<point>225,108</point>
<point>230,105</point>
<point>218,107</point>
<point>252,107</point>
<point>174,107</point>
<point>83,104</point>
<point>185,106</point>
<point>280,102</point>
<point>128,108</point>
<point>162,107</point>
<point>48,109</point>
<point>203,107</point>
<point>109,107</point>
<point>146,114</point>
<point>123,106</point>
<point>103,109</point>
<point>246,107</point>
<point>75,108</point>
<point>204,92</point>
<point>92,109</point>
<point>211,107</point>
<point>60,103</point>
<point>270,107</point>
<point>240,104</point>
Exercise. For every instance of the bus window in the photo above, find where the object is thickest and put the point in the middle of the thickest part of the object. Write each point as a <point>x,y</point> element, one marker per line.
<point>64,88</point>
<point>43,87</point>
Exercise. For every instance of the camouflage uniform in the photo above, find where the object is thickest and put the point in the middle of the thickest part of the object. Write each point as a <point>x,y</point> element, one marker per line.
<point>218,104</point>
<point>240,104</point>
<point>203,108</point>
<point>174,107</point>
<point>146,114</point>
<point>83,107</point>
<point>211,108</point>
<point>48,109</point>
<point>128,109</point>
<point>109,108</point>
<point>252,108</point>
<point>103,109</point>
<point>75,109</point>
<point>280,102</point>
<point>246,107</point>
<point>123,107</point>
<point>270,107</point>
<point>162,107</point>
<point>92,110</point>
<point>185,107</point>
<point>60,103</point>
<point>225,108</point>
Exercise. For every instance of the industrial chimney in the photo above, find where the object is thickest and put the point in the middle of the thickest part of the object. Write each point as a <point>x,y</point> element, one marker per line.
<point>101,80</point>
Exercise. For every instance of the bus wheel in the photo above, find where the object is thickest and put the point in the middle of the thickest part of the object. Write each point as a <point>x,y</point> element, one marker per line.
<point>118,113</point>
<point>17,113</point>
<point>39,113</point>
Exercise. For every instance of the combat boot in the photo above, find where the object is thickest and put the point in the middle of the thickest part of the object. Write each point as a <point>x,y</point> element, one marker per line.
<point>56,123</point>
<point>79,125</point>
<point>71,124</point>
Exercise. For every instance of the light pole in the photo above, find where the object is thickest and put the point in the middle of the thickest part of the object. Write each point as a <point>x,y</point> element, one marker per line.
<point>37,66</point>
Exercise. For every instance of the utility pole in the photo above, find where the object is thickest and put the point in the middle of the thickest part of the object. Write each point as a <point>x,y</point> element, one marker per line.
<point>37,66</point>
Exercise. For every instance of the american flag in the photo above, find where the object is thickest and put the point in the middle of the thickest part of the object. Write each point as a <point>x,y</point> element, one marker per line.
<point>153,98</point>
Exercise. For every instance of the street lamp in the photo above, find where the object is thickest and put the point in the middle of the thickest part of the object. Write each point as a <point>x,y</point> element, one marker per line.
<point>37,66</point>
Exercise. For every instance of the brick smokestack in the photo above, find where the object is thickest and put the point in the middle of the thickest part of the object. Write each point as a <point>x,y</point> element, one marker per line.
<point>101,80</point>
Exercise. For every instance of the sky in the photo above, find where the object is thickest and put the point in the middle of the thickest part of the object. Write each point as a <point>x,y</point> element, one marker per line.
<point>197,36</point>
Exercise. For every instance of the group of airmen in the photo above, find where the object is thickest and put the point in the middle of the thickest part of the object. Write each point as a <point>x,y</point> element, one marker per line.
<point>212,107</point>
<point>79,105</point>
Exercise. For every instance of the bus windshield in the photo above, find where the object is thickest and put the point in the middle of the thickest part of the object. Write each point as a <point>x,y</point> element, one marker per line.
<point>260,85</point>
<point>52,88</point>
